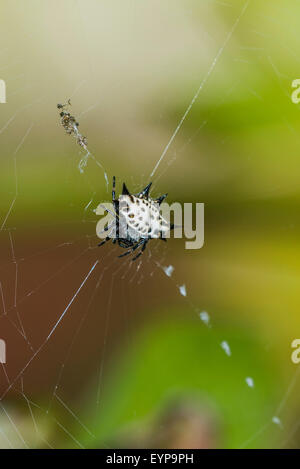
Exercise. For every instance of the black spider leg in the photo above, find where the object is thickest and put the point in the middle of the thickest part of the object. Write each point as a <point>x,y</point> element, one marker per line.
<point>113,192</point>
<point>144,242</point>
<point>116,206</point>
<point>133,248</point>
<point>105,241</point>
<point>125,243</point>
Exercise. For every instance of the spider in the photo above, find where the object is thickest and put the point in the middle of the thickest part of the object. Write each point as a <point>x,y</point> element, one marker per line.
<point>137,220</point>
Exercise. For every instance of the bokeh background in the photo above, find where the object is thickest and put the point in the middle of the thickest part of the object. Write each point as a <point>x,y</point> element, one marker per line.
<point>132,364</point>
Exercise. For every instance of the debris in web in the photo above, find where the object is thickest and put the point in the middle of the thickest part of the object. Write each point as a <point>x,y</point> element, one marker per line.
<point>169,270</point>
<point>277,421</point>
<point>250,382</point>
<point>70,124</point>
<point>182,290</point>
<point>226,348</point>
<point>205,317</point>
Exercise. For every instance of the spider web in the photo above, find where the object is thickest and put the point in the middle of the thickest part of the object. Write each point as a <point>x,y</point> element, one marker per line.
<point>66,305</point>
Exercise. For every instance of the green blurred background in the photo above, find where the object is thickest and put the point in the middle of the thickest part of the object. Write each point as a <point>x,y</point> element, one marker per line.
<point>132,364</point>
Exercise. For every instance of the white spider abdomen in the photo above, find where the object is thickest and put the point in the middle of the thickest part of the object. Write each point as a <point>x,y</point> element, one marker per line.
<point>141,217</point>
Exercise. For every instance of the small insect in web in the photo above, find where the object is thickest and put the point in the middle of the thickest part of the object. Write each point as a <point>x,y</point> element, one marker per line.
<point>137,220</point>
<point>70,124</point>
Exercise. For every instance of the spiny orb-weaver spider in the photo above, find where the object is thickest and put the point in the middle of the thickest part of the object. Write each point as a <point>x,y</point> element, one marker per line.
<point>137,219</point>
